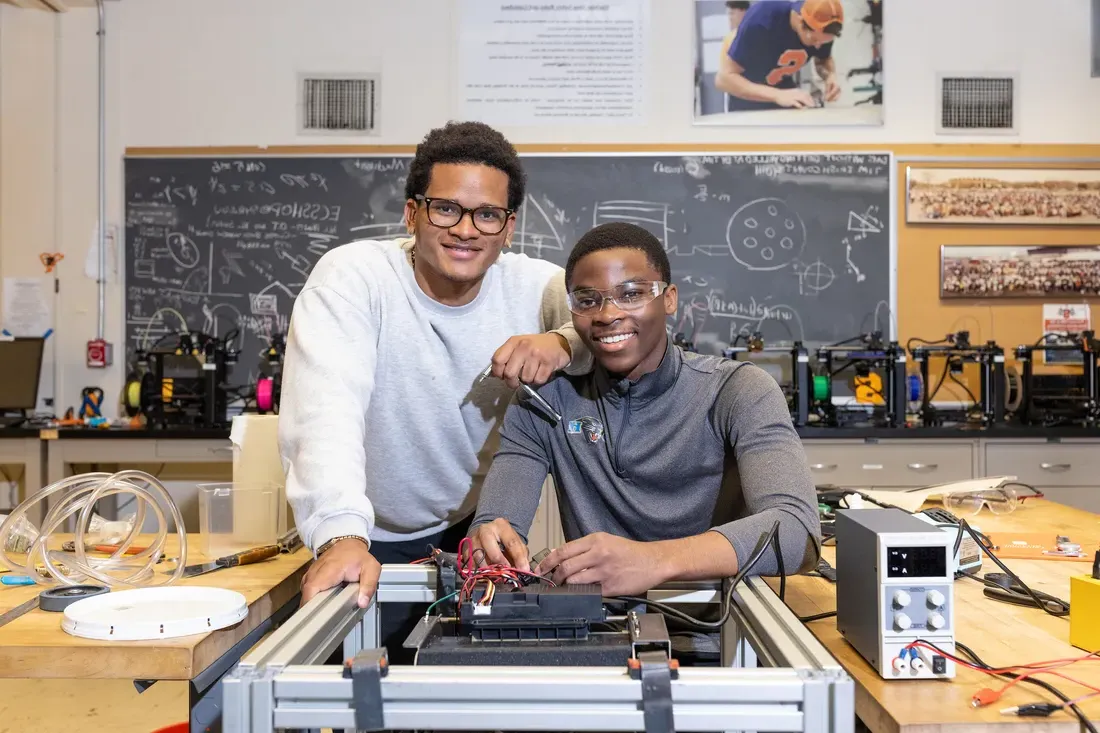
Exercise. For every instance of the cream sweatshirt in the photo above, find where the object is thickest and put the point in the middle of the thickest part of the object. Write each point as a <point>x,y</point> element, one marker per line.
<point>384,430</point>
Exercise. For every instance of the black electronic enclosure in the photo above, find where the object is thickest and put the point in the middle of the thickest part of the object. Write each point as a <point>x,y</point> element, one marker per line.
<point>533,613</point>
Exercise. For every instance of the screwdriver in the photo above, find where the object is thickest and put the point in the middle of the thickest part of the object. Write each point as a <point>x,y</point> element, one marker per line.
<point>530,393</point>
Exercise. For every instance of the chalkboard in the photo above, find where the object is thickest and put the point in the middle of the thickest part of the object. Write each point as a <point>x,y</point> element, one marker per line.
<point>796,246</point>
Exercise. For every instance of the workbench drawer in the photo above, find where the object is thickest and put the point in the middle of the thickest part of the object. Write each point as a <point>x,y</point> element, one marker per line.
<point>890,465</point>
<point>1045,464</point>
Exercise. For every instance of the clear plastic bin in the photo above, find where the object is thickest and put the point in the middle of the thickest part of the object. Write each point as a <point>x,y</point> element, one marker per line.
<point>233,517</point>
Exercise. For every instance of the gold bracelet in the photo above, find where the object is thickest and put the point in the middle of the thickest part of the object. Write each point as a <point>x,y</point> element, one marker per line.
<point>328,545</point>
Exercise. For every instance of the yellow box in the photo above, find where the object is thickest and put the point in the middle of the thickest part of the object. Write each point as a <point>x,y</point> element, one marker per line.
<point>1084,612</point>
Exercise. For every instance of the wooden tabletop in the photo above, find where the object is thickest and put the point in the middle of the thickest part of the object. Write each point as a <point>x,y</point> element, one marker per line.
<point>1000,633</point>
<point>35,646</point>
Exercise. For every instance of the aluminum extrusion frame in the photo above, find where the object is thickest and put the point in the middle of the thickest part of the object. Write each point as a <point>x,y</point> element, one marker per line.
<point>798,687</point>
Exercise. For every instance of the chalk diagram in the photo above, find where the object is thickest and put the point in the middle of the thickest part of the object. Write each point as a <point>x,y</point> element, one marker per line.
<point>381,231</point>
<point>865,223</point>
<point>814,277</point>
<point>652,216</point>
<point>184,251</point>
<point>231,267</point>
<point>852,267</point>
<point>861,225</point>
<point>535,229</point>
<point>766,234</point>
<point>299,263</point>
<point>699,308</point>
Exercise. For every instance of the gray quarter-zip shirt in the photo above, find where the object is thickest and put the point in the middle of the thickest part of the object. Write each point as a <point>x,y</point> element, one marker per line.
<point>701,443</point>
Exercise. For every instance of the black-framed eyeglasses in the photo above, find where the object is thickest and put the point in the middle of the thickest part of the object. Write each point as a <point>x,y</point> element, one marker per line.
<point>630,296</point>
<point>445,214</point>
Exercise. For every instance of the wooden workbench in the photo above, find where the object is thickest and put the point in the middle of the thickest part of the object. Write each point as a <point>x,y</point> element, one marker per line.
<point>34,645</point>
<point>67,677</point>
<point>1000,633</point>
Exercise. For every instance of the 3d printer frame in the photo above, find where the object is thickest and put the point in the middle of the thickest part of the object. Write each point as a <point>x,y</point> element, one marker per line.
<point>873,353</point>
<point>990,359</point>
<point>800,398</point>
<point>283,685</point>
<point>1084,408</point>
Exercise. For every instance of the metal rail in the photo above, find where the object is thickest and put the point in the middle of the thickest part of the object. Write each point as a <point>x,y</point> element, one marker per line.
<point>800,687</point>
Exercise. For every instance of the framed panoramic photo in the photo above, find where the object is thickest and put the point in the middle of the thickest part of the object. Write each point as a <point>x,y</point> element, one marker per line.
<point>1019,271</point>
<point>1006,196</point>
<point>779,62</point>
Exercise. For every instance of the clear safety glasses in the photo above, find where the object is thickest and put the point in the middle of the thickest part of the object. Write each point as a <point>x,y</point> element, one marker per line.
<point>1002,500</point>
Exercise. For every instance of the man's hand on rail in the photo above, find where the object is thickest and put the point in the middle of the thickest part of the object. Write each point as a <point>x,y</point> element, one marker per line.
<point>348,560</point>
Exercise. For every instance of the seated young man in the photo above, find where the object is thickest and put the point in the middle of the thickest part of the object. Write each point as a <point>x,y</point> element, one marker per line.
<point>669,465</point>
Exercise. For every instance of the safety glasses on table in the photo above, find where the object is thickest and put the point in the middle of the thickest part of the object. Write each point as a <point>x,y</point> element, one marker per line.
<point>629,296</point>
<point>1002,500</point>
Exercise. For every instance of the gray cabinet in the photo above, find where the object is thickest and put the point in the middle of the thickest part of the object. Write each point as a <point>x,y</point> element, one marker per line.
<point>1067,471</point>
<point>889,464</point>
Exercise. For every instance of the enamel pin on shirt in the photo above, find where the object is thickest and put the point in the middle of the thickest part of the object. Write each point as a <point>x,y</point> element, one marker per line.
<point>530,393</point>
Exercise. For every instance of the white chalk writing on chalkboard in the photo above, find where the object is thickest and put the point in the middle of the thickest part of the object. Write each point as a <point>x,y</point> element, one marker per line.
<point>796,245</point>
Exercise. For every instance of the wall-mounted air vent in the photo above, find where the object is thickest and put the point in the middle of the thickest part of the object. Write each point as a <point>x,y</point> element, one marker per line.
<point>977,104</point>
<point>342,104</point>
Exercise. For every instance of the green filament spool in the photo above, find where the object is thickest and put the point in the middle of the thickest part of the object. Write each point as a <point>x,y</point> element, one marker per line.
<point>821,387</point>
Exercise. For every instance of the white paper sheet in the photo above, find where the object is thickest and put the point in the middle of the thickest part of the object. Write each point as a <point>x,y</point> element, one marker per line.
<point>1065,318</point>
<point>537,63</point>
<point>91,262</point>
<point>28,306</point>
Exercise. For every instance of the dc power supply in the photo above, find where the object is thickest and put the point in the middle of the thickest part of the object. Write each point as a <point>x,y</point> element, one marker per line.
<point>895,585</point>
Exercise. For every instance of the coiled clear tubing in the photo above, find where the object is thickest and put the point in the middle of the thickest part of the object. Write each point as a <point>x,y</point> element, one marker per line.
<point>78,495</point>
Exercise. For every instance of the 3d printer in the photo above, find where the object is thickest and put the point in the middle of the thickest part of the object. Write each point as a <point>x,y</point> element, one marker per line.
<point>956,350</point>
<point>802,390</point>
<point>879,380</point>
<point>1065,403</point>
<point>269,385</point>
<point>183,385</point>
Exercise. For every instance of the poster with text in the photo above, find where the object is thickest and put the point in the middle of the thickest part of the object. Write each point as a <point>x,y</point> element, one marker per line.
<point>1063,319</point>
<point>788,62</point>
<point>539,63</point>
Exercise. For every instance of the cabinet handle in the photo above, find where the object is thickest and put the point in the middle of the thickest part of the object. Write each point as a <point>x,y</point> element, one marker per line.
<point>221,449</point>
<point>1055,466</point>
<point>923,466</point>
<point>822,466</point>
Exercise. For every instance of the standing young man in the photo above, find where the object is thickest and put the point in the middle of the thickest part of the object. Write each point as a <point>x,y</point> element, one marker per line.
<point>668,465</point>
<point>735,13</point>
<point>774,40</point>
<point>385,429</point>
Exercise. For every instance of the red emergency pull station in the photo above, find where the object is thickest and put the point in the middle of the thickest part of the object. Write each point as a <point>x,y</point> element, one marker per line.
<point>99,354</point>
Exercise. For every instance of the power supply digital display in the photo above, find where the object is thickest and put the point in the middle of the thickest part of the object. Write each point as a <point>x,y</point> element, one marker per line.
<point>916,562</point>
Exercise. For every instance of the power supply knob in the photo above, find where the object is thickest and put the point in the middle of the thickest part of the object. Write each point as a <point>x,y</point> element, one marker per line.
<point>902,621</point>
<point>935,599</point>
<point>901,599</point>
<point>935,621</point>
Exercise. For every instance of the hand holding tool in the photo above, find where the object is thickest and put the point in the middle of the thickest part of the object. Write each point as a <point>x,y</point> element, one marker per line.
<point>530,393</point>
<point>247,557</point>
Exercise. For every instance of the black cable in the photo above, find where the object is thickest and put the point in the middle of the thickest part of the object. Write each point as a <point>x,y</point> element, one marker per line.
<point>1053,606</point>
<point>943,377</point>
<point>909,343</point>
<point>817,616</point>
<point>1029,680</point>
<point>966,389</point>
<point>727,603</point>
<point>779,562</point>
